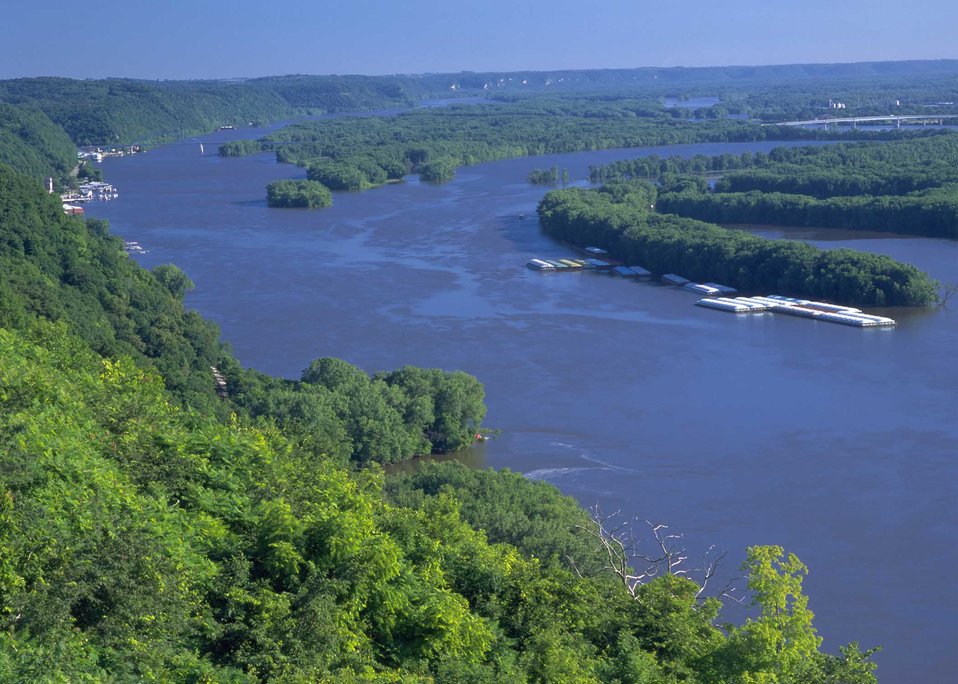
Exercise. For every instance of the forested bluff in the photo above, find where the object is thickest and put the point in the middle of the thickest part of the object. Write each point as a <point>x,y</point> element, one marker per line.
<point>151,529</point>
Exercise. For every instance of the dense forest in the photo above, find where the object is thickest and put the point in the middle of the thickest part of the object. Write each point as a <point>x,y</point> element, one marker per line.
<point>120,112</point>
<point>144,542</point>
<point>298,194</point>
<point>620,217</point>
<point>126,111</point>
<point>158,525</point>
<point>32,143</point>
<point>907,186</point>
<point>357,153</point>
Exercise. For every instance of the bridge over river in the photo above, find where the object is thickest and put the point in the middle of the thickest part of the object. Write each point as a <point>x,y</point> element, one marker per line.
<point>896,118</point>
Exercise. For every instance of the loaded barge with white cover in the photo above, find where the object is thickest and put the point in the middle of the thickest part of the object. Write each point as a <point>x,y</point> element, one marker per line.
<point>803,308</point>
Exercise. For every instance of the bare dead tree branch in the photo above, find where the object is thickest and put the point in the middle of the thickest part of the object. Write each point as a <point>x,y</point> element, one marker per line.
<point>661,554</point>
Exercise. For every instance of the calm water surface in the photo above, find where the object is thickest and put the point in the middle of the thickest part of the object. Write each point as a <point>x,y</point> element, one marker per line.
<point>837,443</point>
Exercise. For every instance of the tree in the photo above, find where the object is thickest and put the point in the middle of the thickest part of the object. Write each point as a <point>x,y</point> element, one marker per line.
<point>781,642</point>
<point>173,279</point>
<point>307,194</point>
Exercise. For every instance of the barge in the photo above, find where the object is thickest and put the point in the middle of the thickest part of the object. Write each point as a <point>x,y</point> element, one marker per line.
<point>673,279</point>
<point>540,265</point>
<point>802,308</point>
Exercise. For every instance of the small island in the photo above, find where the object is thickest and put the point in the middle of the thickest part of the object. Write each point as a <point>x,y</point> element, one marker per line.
<point>302,194</point>
<point>548,176</point>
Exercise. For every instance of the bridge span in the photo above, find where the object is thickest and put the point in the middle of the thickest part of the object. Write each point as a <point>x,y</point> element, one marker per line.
<point>897,118</point>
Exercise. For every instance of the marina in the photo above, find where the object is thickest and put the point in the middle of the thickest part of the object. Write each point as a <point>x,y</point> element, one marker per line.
<point>133,247</point>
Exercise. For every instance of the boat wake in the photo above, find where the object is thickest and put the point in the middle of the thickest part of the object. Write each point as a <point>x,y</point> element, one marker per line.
<point>549,474</point>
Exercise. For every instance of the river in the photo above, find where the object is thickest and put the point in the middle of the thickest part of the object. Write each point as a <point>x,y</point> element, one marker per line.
<point>837,443</point>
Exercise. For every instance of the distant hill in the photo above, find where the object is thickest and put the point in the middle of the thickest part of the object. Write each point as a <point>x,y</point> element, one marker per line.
<point>124,111</point>
<point>32,143</point>
<point>658,77</point>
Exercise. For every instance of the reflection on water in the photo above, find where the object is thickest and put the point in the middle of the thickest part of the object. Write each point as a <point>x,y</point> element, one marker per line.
<point>836,443</point>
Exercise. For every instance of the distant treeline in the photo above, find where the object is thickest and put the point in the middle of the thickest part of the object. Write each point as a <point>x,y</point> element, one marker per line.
<point>822,171</point>
<point>930,213</point>
<point>125,111</point>
<point>358,153</point>
<point>618,218</point>
<point>907,186</point>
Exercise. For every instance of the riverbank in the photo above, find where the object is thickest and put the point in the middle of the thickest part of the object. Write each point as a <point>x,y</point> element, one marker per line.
<point>625,396</point>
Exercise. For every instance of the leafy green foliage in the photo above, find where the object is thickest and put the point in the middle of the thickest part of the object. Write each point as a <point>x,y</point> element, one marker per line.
<point>337,175</point>
<point>340,411</point>
<point>354,153</point>
<point>124,111</point>
<point>357,153</point>
<point>438,170</point>
<point>152,531</point>
<point>532,516</point>
<point>547,176</point>
<point>930,213</point>
<point>240,148</point>
<point>60,268</point>
<point>298,193</point>
<point>33,144</point>
<point>906,186</point>
<point>622,222</point>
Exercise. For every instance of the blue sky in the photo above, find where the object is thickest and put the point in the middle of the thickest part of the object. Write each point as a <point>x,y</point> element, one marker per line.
<point>201,39</point>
